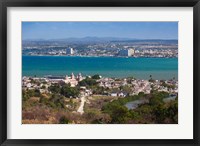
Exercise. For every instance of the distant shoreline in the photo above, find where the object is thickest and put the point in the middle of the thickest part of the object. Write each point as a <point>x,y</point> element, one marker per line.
<point>92,56</point>
<point>128,77</point>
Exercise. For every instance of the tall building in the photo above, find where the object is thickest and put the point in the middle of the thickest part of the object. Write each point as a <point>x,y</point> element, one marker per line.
<point>69,51</point>
<point>126,52</point>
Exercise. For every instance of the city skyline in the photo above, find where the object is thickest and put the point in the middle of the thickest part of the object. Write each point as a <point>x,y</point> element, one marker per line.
<point>132,30</point>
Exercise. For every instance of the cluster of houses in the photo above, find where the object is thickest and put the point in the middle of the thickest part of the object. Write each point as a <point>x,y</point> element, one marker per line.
<point>42,84</point>
<point>135,85</point>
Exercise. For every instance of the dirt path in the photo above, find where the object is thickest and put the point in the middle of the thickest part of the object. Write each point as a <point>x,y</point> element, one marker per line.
<point>80,109</point>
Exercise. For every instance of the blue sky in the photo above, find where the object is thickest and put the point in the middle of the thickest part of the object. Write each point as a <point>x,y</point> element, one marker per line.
<point>139,30</point>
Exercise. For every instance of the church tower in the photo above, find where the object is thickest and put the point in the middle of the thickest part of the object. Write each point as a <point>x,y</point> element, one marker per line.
<point>80,78</point>
<point>72,76</point>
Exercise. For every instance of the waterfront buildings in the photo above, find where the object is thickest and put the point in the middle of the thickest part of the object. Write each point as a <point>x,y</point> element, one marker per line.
<point>142,48</point>
<point>126,52</point>
<point>73,80</point>
<point>114,87</point>
<point>69,51</point>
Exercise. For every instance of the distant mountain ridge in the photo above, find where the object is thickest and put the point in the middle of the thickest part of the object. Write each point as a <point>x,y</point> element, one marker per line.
<point>96,39</point>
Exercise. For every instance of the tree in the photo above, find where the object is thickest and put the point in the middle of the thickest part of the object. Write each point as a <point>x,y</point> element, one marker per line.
<point>156,100</point>
<point>126,89</point>
<point>55,88</point>
<point>120,114</point>
<point>68,91</point>
<point>88,82</point>
<point>57,100</point>
<point>173,111</point>
<point>96,76</point>
<point>99,90</point>
<point>150,77</point>
<point>141,94</point>
<point>63,120</point>
<point>25,97</point>
<point>43,87</point>
<point>37,93</point>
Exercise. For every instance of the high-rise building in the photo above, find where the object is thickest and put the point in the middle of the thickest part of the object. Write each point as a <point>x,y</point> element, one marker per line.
<point>126,52</point>
<point>69,51</point>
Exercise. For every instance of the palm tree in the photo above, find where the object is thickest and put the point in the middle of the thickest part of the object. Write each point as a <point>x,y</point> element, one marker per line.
<point>150,76</point>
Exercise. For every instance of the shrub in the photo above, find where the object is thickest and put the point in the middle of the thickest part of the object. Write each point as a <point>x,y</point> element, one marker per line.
<point>88,82</point>
<point>54,88</point>
<point>68,91</point>
<point>96,76</point>
<point>63,120</point>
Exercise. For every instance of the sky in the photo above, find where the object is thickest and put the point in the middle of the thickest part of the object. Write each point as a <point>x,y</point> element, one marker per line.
<point>135,30</point>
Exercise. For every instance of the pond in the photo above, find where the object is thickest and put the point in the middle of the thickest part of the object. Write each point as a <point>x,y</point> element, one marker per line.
<point>136,103</point>
<point>170,98</point>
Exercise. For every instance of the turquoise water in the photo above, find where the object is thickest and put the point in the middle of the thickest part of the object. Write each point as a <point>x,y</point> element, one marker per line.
<point>159,68</point>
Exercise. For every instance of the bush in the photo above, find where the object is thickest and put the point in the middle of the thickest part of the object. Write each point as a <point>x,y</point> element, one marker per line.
<point>96,76</point>
<point>103,119</point>
<point>55,88</point>
<point>64,120</point>
<point>26,94</point>
<point>120,115</point>
<point>88,82</point>
<point>68,91</point>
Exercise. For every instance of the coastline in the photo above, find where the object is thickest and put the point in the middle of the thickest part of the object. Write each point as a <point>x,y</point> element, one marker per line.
<point>138,75</point>
<point>94,56</point>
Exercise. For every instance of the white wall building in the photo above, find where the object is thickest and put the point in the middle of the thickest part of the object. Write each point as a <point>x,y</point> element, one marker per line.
<point>126,52</point>
<point>69,51</point>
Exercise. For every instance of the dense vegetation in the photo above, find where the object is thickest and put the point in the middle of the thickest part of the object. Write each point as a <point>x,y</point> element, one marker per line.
<point>88,82</point>
<point>64,90</point>
<point>59,105</point>
<point>156,111</point>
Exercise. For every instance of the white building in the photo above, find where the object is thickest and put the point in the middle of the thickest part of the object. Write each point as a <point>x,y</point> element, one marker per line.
<point>113,94</point>
<point>73,80</point>
<point>69,51</point>
<point>126,52</point>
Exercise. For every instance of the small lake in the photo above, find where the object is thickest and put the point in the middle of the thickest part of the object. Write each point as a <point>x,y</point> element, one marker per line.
<point>136,103</point>
<point>170,98</point>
